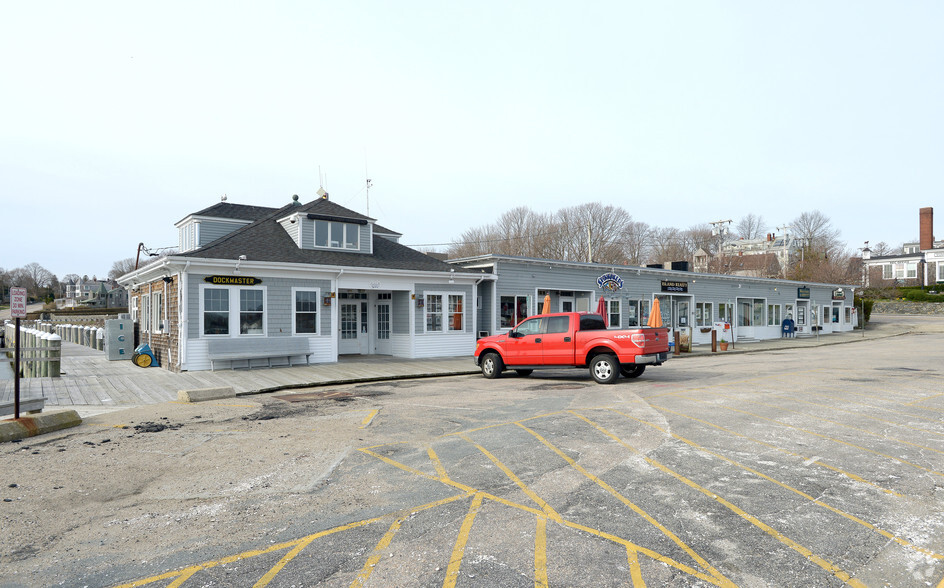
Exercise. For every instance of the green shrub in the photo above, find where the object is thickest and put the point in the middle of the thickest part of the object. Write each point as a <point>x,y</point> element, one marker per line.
<point>865,307</point>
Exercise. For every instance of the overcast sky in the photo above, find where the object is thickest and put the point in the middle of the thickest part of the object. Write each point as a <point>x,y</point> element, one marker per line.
<point>120,118</point>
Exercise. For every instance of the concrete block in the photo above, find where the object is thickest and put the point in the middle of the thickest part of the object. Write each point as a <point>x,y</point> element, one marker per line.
<point>32,425</point>
<point>203,394</point>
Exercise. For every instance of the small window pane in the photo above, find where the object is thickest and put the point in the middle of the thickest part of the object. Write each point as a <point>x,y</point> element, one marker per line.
<point>321,233</point>
<point>337,234</point>
<point>215,311</point>
<point>250,312</point>
<point>306,311</point>
<point>352,237</point>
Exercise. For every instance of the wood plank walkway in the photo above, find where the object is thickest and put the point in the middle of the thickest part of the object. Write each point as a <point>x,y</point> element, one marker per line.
<point>89,379</point>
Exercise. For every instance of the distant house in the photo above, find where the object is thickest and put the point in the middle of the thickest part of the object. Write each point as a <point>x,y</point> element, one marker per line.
<point>918,264</point>
<point>769,257</point>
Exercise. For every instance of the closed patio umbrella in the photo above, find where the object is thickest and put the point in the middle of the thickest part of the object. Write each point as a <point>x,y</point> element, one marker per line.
<point>655,317</point>
<point>601,310</point>
<point>547,304</point>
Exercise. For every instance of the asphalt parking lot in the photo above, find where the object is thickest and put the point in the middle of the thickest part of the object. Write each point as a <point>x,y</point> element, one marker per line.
<point>800,467</point>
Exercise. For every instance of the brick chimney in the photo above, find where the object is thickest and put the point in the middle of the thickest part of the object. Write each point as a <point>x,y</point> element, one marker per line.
<point>926,239</point>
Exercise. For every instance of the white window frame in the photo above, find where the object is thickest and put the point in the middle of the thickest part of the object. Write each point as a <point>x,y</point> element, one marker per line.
<point>774,315</point>
<point>234,311</point>
<point>940,271</point>
<point>318,312</point>
<point>610,302</point>
<point>145,312</point>
<point>342,244</point>
<point>911,270</point>
<point>157,312</point>
<point>444,312</point>
<point>888,271</point>
<point>134,308</point>
<point>704,314</point>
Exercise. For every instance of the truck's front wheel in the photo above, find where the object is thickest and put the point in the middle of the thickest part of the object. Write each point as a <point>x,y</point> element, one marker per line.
<point>492,365</point>
<point>605,369</point>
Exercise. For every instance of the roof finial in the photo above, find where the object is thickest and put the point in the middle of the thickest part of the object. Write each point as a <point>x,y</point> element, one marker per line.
<point>295,200</point>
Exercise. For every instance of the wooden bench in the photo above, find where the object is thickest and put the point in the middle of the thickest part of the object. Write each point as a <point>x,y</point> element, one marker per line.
<point>26,405</point>
<point>248,349</point>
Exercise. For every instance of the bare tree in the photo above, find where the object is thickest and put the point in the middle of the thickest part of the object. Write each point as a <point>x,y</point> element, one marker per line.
<point>636,242</point>
<point>883,248</point>
<point>750,226</point>
<point>120,268</point>
<point>817,232</point>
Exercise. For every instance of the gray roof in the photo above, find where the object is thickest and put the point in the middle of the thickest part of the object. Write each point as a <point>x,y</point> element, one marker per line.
<point>234,211</point>
<point>266,240</point>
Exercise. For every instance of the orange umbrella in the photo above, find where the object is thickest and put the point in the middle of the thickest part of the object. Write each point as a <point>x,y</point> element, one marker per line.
<point>547,304</point>
<point>655,317</point>
<point>601,310</point>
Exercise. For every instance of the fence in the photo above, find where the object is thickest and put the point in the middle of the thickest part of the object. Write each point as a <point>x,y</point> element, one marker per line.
<point>41,345</point>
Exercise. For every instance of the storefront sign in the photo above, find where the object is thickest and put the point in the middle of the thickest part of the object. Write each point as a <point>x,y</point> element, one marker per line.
<point>611,282</point>
<point>672,286</point>
<point>839,294</point>
<point>232,281</point>
<point>803,293</point>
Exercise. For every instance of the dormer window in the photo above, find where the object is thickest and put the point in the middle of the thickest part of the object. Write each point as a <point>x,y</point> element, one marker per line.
<point>337,233</point>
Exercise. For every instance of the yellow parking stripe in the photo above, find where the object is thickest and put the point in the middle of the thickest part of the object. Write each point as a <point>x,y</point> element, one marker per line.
<point>818,462</point>
<point>872,418</point>
<point>920,400</point>
<point>635,571</point>
<point>369,418</point>
<point>375,556</point>
<point>551,513</point>
<point>540,553</point>
<point>820,503</point>
<point>458,552</point>
<point>805,552</point>
<point>635,508</point>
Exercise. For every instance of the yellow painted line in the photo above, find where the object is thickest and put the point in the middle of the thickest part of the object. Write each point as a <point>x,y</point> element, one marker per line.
<point>635,508</point>
<point>417,472</point>
<point>458,552</point>
<point>505,424</point>
<point>815,501</point>
<point>649,553</point>
<point>437,463</point>
<point>214,404</point>
<point>551,513</point>
<point>540,553</point>
<point>375,556</point>
<point>834,440</point>
<point>818,462</point>
<point>635,570</point>
<point>109,426</point>
<point>802,550</point>
<point>920,400</point>
<point>369,418</point>
<point>189,571</point>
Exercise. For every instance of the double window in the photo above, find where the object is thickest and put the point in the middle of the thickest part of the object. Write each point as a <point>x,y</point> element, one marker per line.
<point>703,314</point>
<point>232,311</point>
<point>773,315</point>
<point>514,309</point>
<point>444,313</point>
<point>337,235</point>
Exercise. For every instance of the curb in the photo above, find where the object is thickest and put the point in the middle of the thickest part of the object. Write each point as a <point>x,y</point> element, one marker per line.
<point>30,426</point>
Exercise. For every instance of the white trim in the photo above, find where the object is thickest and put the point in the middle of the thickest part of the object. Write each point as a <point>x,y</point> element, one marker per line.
<point>318,306</point>
<point>445,294</point>
<point>234,311</point>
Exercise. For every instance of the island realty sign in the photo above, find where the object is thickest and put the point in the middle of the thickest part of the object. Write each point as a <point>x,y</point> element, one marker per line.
<point>611,282</point>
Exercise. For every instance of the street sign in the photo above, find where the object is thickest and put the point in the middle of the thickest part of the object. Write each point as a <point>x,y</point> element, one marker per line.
<point>18,302</point>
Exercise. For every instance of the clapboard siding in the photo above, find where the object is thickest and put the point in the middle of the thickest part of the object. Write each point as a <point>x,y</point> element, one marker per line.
<point>448,345</point>
<point>211,230</point>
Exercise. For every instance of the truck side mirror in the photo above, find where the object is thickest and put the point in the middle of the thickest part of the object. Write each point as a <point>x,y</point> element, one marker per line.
<point>514,334</point>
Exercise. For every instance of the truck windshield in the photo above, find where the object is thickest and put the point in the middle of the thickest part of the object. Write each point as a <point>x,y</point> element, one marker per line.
<point>592,322</point>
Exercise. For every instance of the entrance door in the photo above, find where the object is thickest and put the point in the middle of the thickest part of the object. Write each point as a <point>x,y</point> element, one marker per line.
<point>745,318</point>
<point>353,333</point>
<point>803,316</point>
<point>382,343</point>
<point>567,304</point>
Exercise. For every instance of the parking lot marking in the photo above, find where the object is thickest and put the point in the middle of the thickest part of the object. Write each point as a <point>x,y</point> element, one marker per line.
<point>820,503</point>
<point>809,461</point>
<point>369,418</point>
<point>377,553</point>
<point>804,551</point>
<point>540,553</point>
<point>911,415</point>
<point>548,510</point>
<point>458,551</point>
<point>925,399</point>
<point>634,507</point>
<point>635,570</point>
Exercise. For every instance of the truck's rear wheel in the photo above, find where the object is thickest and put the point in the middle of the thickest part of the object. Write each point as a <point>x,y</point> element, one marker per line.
<point>632,371</point>
<point>492,365</point>
<point>605,369</point>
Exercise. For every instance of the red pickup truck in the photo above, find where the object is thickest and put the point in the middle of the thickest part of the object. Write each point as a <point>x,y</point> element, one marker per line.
<point>573,339</point>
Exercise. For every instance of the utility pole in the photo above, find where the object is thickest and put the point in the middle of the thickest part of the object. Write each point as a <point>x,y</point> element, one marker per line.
<point>719,228</point>
<point>589,244</point>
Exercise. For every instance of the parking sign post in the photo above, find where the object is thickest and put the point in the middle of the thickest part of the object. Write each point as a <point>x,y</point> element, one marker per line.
<point>18,311</point>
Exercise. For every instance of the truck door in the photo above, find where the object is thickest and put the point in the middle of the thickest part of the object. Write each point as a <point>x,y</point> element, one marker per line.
<point>523,344</point>
<point>558,341</point>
